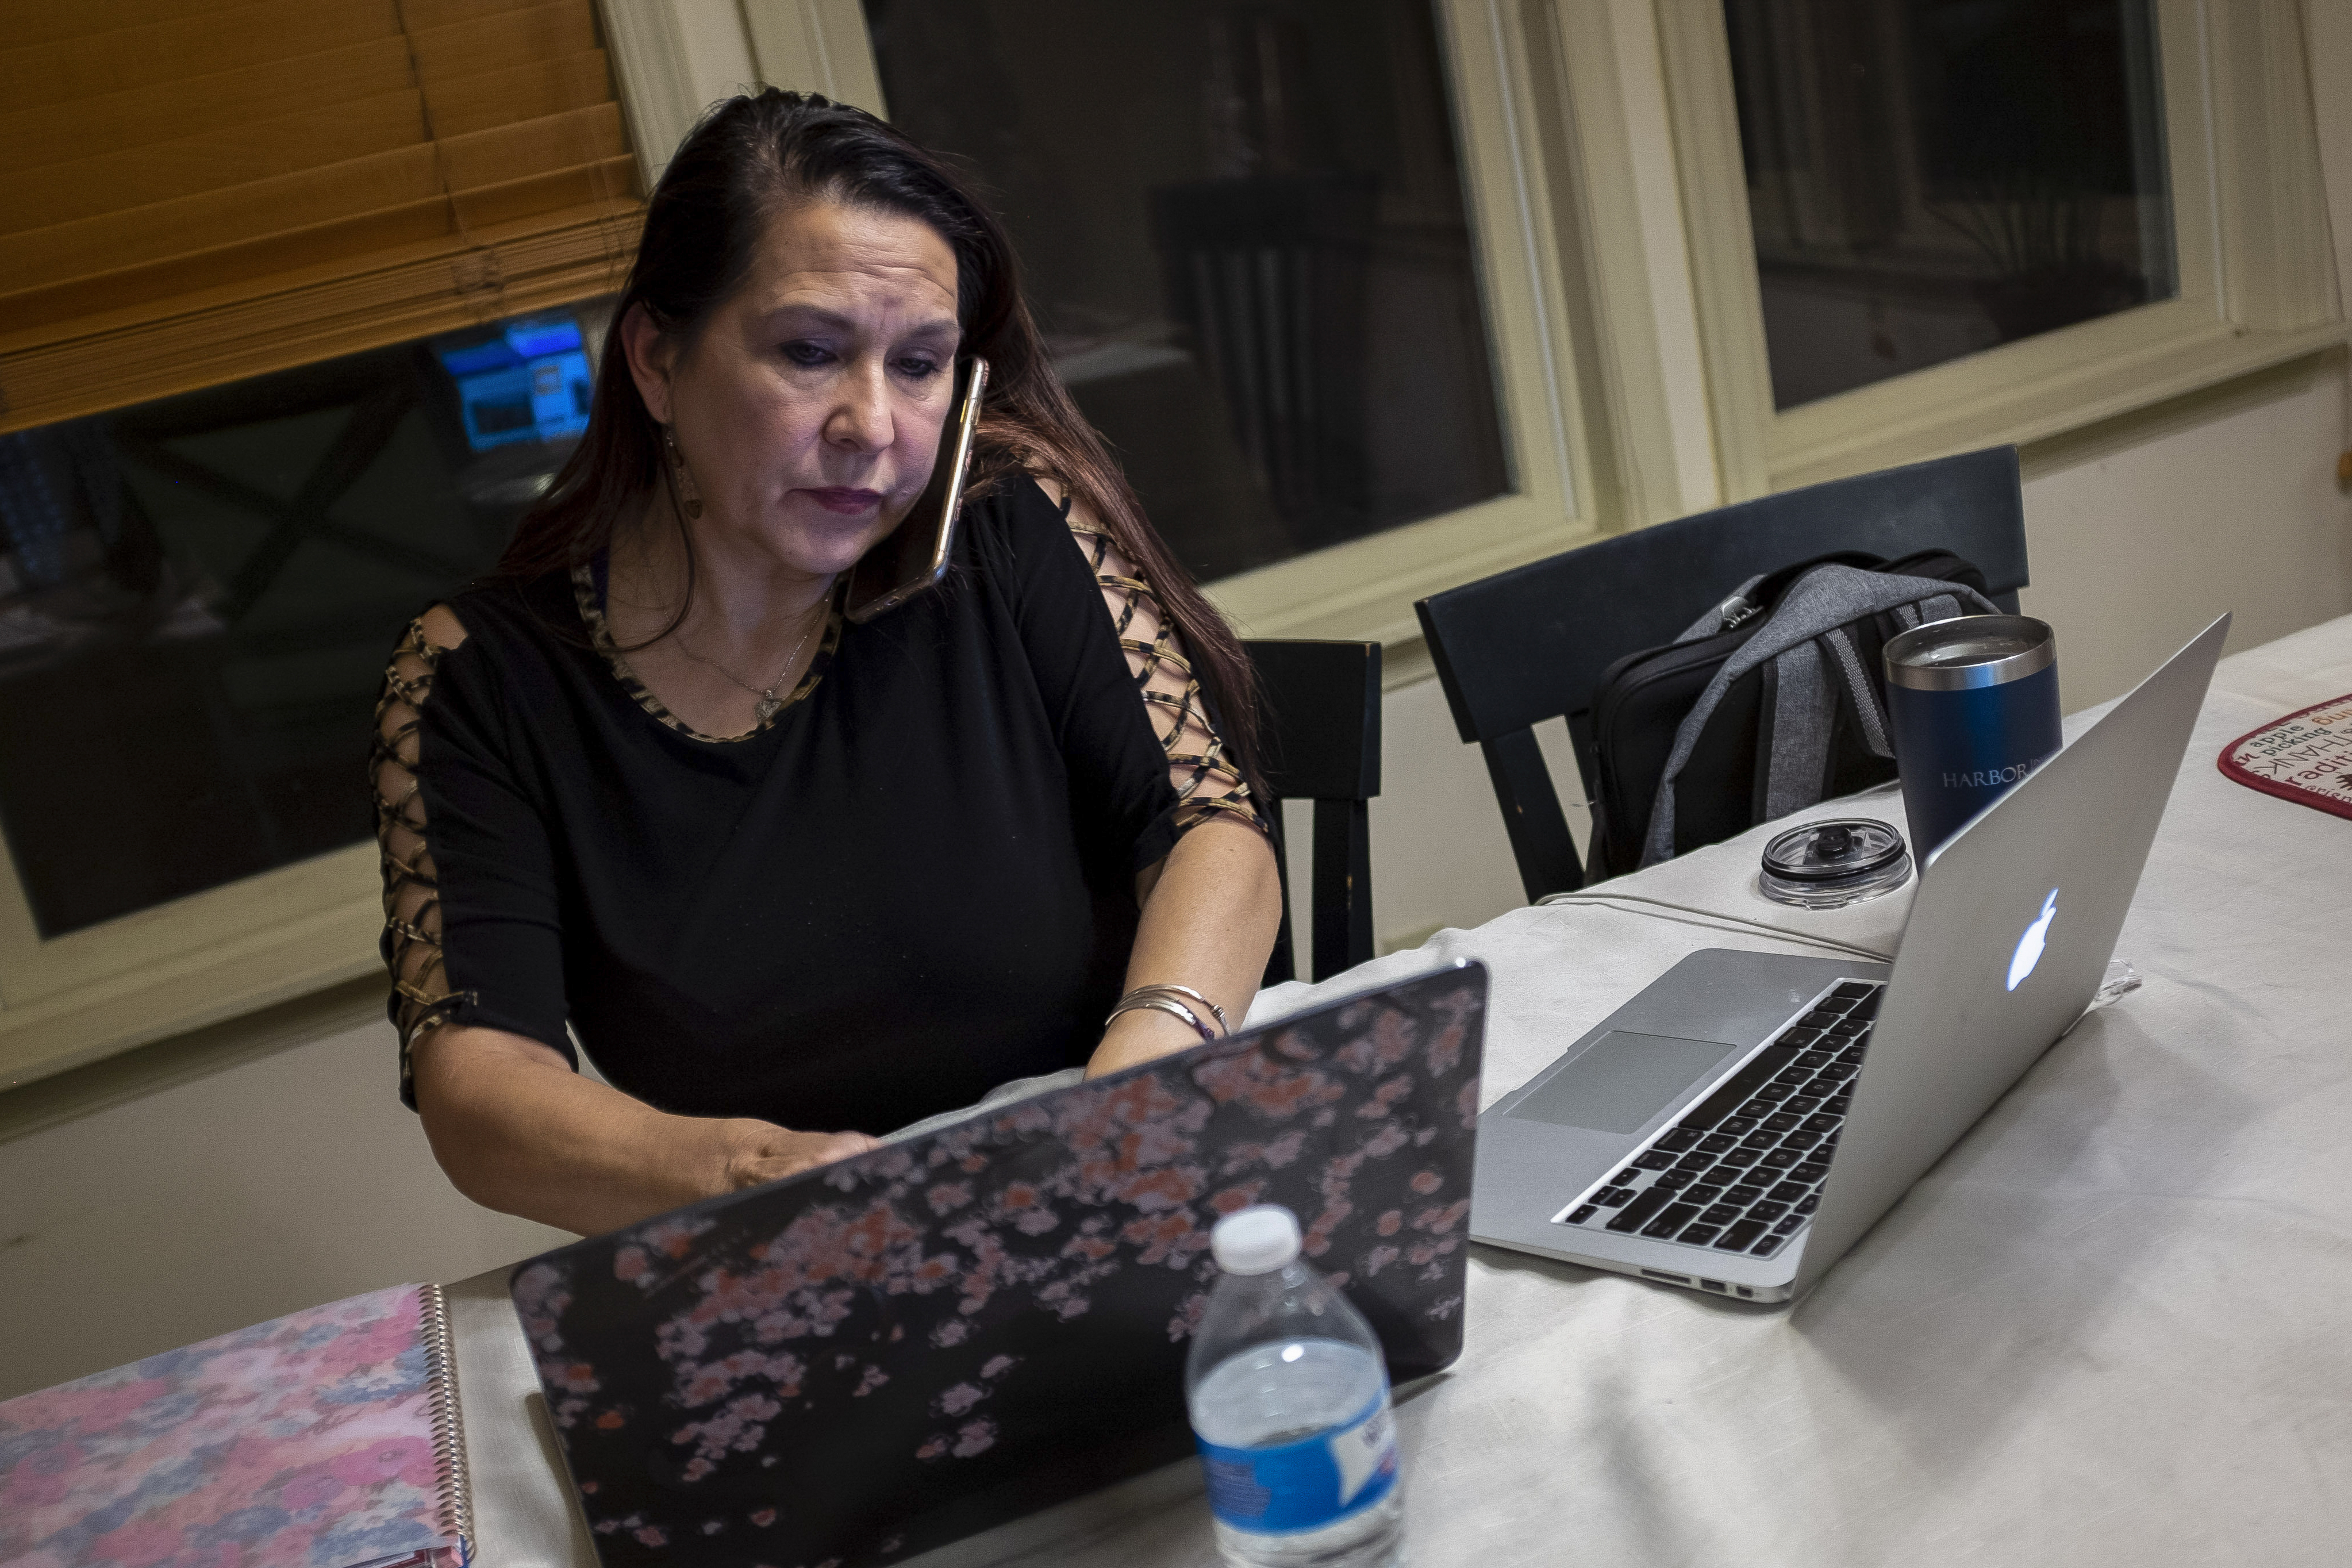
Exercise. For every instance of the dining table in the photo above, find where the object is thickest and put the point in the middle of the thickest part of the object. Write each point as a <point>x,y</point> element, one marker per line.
<point>2111,1325</point>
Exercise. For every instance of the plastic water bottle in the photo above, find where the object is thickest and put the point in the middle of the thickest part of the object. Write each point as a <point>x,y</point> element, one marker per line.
<point>1290,1405</point>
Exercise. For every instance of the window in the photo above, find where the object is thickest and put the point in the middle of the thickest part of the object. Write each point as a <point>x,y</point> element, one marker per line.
<point>1930,178</point>
<point>1296,257</point>
<point>197,596</point>
<point>1243,234</point>
<point>1919,225</point>
<point>292,303</point>
<point>201,191</point>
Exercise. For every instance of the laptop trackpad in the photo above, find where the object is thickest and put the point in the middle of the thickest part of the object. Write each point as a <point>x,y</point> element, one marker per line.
<point>1622,1080</point>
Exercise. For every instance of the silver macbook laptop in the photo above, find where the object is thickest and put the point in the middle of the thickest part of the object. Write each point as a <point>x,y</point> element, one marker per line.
<point>1738,1125</point>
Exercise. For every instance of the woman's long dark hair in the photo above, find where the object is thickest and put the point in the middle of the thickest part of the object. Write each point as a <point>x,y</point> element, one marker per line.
<point>749,158</point>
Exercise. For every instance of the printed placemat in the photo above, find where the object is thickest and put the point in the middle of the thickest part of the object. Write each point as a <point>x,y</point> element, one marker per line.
<point>2304,757</point>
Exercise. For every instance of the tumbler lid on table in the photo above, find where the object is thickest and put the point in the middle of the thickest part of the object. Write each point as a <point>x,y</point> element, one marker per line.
<point>1827,864</point>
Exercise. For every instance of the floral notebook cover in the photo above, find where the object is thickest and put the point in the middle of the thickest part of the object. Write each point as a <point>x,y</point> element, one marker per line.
<point>325,1439</point>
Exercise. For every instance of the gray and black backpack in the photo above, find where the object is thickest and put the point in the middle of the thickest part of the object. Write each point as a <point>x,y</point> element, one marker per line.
<point>1773,700</point>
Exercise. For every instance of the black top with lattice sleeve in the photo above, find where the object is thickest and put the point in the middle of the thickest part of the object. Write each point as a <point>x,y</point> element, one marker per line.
<point>913,882</point>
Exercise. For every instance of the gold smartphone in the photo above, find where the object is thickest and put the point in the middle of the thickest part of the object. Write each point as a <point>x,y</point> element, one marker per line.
<point>914,556</point>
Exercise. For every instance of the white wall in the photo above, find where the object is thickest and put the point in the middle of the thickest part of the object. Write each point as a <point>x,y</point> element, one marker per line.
<point>293,1177</point>
<point>2134,546</point>
<point>275,1184</point>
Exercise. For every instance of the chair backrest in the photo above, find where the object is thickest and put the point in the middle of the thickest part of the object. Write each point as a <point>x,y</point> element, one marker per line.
<point>1530,643</point>
<point>1321,706</point>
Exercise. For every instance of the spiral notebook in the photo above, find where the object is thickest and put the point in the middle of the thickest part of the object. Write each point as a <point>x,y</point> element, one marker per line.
<point>326,1439</point>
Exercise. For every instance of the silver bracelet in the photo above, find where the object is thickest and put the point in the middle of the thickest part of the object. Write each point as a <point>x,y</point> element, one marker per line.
<point>1169,988</point>
<point>1167,1004</point>
<point>1223,1023</point>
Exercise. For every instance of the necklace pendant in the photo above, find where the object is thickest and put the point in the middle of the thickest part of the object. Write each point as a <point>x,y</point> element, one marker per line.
<point>769,705</point>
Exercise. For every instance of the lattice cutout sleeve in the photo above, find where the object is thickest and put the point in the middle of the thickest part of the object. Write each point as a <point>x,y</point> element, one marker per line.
<point>411,892</point>
<point>1207,783</point>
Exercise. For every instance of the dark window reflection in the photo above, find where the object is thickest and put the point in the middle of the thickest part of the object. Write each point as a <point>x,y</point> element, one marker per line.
<point>1930,178</point>
<point>198,597</point>
<point>1242,231</point>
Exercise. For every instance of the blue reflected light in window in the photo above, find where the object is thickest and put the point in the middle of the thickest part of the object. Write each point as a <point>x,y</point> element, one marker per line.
<point>531,382</point>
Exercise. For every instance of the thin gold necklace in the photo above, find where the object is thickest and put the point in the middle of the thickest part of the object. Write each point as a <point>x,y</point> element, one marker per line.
<point>769,704</point>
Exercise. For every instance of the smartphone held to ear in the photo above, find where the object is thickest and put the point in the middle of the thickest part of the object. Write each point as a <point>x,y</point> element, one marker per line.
<point>914,556</point>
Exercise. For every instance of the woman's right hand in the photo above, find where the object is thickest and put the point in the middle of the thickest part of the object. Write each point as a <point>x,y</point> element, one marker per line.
<point>517,1129</point>
<point>752,1152</point>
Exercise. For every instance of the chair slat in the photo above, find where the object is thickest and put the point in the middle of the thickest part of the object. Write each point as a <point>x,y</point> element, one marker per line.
<point>1320,703</point>
<point>1343,886</point>
<point>1532,815</point>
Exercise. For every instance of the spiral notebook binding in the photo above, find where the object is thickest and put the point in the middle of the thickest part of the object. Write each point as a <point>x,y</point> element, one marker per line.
<point>448,1429</point>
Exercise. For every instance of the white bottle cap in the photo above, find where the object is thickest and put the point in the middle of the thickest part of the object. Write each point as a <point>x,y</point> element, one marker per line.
<point>1256,1240</point>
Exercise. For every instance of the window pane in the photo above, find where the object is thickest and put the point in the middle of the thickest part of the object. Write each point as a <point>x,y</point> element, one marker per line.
<point>1930,178</point>
<point>198,596</point>
<point>1242,231</point>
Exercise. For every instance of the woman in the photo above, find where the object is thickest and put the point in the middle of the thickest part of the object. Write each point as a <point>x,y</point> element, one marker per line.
<point>792,882</point>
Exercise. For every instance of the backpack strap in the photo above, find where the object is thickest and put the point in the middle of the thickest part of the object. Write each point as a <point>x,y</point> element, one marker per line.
<point>1804,708</point>
<point>1822,601</point>
<point>1942,607</point>
<point>1796,737</point>
<point>1875,730</point>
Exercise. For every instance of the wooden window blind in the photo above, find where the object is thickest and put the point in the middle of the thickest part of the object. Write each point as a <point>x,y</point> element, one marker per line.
<point>192,191</point>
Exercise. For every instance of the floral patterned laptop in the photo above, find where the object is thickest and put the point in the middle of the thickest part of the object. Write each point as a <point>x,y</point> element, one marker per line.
<point>872,1359</point>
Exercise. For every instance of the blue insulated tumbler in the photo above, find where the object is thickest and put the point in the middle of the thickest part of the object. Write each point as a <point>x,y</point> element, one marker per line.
<point>1974,702</point>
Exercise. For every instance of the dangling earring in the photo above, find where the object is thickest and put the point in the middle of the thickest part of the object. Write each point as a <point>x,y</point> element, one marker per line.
<point>690,499</point>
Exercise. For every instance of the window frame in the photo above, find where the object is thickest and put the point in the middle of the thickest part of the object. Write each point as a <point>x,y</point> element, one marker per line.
<point>2254,257</point>
<point>291,931</point>
<point>282,934</point>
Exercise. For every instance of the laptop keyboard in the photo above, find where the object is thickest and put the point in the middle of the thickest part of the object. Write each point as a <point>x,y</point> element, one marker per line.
<point>1742,1170</point>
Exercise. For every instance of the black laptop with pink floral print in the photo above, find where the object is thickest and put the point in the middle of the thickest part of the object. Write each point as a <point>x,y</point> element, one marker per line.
<point>873,1358</point>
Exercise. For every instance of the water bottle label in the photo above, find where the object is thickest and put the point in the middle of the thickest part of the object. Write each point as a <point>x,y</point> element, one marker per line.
<point>1305,1485</point>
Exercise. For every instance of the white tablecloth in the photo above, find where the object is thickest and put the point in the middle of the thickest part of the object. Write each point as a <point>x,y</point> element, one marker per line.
<point>2109,1327</point>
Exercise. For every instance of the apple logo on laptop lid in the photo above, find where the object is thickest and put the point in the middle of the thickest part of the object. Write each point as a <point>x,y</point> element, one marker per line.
<point>2030,945</point>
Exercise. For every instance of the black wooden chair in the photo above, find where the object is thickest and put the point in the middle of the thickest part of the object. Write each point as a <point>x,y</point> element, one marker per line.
<point>1527,644</point>
<point>1321,728</point>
